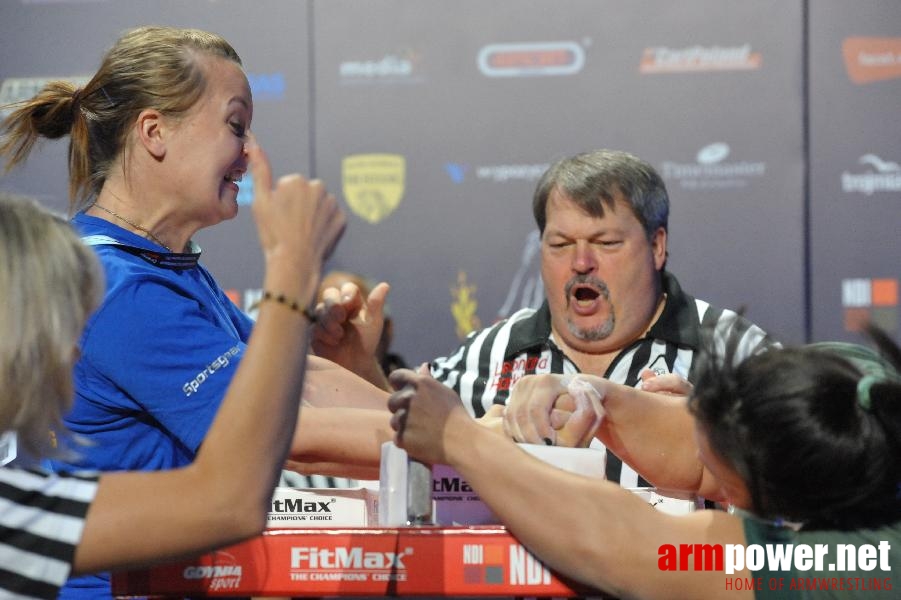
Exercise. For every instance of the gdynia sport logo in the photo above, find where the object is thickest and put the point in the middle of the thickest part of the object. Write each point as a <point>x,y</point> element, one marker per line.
<point>795,561</point>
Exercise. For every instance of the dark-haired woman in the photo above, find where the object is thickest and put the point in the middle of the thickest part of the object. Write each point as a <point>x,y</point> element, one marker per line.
<point>804,443</point>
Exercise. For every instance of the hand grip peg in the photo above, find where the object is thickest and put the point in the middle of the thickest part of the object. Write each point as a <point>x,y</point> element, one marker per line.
<point>419,494</point>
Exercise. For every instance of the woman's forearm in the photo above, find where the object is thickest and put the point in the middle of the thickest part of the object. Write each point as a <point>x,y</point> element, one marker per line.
<point>590,530</point>
<point>224,495</point>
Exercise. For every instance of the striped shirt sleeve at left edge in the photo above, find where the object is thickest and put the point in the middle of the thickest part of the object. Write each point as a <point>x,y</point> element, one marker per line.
<point>41,522</point>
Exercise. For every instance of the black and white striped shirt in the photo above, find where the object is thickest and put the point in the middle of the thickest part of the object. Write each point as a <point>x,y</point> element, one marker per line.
<point>490,361</point>
<point>41,521</point>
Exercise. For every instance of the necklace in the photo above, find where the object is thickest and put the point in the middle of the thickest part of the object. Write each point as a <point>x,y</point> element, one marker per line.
<point>132,223</point>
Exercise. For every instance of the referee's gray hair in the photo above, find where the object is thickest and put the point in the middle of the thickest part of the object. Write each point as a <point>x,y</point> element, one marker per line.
<point>591,180</point>
<point>50,282</point>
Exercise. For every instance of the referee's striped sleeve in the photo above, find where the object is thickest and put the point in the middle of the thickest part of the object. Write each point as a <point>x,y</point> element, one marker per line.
<point>731,330</point>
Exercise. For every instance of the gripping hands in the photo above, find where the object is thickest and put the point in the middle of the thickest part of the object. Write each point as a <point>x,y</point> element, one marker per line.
<point>561,410</point>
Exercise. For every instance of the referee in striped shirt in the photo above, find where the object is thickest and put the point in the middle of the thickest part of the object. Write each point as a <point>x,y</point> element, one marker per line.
<point>611,308</point>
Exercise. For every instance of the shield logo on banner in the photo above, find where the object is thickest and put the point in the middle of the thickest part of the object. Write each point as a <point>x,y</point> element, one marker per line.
<point>373,184</point>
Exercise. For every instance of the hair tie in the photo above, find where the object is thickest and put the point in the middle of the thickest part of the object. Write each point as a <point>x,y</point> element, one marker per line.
<point>874,367</point>
<point>863,390</point>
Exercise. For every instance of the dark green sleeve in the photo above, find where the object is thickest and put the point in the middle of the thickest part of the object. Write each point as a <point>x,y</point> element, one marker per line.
<point>846,584</point>
<point>761,533</point>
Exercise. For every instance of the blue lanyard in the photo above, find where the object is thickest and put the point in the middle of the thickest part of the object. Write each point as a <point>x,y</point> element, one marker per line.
<point>176,261</point>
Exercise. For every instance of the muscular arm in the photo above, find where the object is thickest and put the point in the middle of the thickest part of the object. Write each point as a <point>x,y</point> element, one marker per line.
<point>654,434</point>
<point>342,442</point>
<point>344,423</point>
<point>651,431</point>
<point>591,530</point>
<point>331,385</point>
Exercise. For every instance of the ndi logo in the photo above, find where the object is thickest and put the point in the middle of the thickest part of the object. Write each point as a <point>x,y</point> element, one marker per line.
<point>870,300</point>
<point>485,563</point>
<point>711,170</point>
<point>881,176</point>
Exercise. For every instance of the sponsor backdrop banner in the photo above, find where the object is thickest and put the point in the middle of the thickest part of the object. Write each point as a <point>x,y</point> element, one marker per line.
<point>438,118</point>
<point>432,121</point>
<point>855,177</point>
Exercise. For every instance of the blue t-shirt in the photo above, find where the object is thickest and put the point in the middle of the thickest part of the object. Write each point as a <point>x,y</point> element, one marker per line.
<point>156,359</point>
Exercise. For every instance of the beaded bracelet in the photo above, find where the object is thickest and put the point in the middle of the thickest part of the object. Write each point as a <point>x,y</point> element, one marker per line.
<point>292,304</point>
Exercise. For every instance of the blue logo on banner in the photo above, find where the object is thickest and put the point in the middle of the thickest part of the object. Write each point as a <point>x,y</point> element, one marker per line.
<point>267,86</point>
<point>457,172</point>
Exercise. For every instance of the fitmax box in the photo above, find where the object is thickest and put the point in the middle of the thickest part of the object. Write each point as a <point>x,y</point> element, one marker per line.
<point>303,508</point>
<point>454,502</point>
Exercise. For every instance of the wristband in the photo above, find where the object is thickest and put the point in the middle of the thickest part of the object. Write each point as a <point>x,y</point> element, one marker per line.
<point>292,304</point>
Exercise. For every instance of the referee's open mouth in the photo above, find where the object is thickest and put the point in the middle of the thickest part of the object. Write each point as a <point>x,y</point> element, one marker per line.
<point>585,299</point>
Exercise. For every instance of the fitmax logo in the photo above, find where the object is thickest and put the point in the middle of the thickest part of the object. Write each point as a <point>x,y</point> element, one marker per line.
<point>299,506</point>
<point>450,484</point>
<point>345,558</point>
